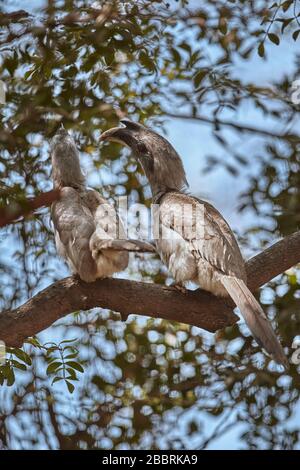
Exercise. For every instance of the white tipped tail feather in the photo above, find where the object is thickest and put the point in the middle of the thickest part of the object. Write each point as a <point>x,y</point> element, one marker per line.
<point>255,317</point>
<point>122,245</point>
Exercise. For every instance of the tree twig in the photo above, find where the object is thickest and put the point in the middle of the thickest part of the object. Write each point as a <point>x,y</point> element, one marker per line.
<point>233,125</point>
<point>17,209</point>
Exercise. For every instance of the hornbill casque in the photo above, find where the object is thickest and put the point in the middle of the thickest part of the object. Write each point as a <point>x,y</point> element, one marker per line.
<point>212,259</point>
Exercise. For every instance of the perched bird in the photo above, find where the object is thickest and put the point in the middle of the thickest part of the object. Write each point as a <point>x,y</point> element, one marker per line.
<point>88,232</point>
<point>209,255</point>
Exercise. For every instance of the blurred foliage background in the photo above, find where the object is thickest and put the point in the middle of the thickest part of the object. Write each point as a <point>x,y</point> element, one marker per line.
<point>148,383</point>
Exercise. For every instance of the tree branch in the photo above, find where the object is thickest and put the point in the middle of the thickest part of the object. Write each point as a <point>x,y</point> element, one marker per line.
<point>198,308</point>
<point>23,207</point>
<point>233,125</point>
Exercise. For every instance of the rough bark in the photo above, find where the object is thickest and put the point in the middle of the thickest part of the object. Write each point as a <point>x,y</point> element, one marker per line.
<point>128,297</point>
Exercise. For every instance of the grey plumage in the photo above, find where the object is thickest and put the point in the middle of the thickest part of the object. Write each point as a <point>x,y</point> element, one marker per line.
<point>88,232</point>
<point>208,255</point>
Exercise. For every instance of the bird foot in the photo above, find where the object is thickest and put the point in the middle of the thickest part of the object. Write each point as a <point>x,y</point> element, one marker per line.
<point>124,316</point>
<point>180,288</point>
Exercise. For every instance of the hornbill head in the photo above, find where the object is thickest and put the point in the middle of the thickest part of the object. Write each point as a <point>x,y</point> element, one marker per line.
<point>160,161</point>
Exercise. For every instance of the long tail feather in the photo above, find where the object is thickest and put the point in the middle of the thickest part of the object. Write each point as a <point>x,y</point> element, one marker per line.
<point>255,318</point>
<point>126,245</point>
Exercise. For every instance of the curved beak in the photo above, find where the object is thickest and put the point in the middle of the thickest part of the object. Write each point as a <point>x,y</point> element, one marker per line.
<point>121,135</point>
<point>110,134</point>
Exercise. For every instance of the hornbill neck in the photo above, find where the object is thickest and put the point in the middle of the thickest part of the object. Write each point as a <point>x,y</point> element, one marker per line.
<point>66,170</point>
<point>164,170</point>
<point>67,174</point>
<point>164,178</point>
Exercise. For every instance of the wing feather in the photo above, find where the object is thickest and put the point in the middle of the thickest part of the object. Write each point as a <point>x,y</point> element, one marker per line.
<point>74,225</point>
<point>208,235</point>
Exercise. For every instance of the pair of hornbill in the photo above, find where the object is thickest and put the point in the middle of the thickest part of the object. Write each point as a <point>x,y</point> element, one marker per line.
<point>212,260</point>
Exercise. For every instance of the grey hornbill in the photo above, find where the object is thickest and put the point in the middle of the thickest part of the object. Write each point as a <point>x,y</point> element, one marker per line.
<point>88,232</point>
<point>213,259</point>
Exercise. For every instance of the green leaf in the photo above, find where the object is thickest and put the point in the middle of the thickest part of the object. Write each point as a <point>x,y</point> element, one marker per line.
<point>223,26</point>
<point>285,23</point>
<point>72,373</point>
<point>71,356</point>
<point>71,348</point>
<point>199,77</point>
<point>192,427</point>
<point>176,56</point>
<point>52,367</point>
<point>147,62</point>
<point>28,73</point>
<point>274,38</point>
<point>293,279</point>
<point>18,365</point>
<point>51,350</point>
<point>75,365</point>
<point>56,379</point>
<point>261,50</point>
<point>296,34</point>
<point>34,342</point>
<point>68,341</point>
<point>9,374</point>
<point>22,355</point>
<point>286,5</point>
<point>51,359</point>
<point>186,47</point>
<point>70,386</point>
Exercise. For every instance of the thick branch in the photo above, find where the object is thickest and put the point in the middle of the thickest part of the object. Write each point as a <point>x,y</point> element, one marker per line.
<point>197,308</point>
<point>273,261</point>
<point>24,207</point>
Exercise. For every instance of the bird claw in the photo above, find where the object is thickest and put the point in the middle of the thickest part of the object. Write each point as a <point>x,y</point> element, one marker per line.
<point>180,288</point>
<point>124,316</point>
